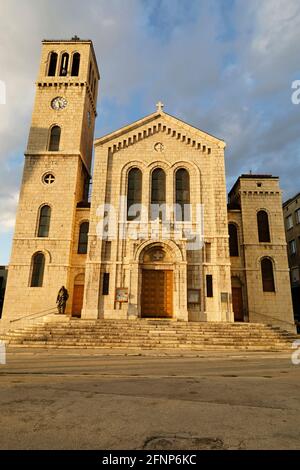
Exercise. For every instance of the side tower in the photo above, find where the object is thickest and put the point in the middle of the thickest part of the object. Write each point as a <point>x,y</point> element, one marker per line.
<point>56,176</point>
<point>260,272</point>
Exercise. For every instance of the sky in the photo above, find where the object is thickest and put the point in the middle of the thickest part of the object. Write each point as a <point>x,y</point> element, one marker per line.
<point>225,66</point>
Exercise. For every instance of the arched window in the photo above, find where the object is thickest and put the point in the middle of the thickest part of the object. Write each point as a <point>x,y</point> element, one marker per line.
<point>233,240</point>
<point>52,64</point>
<point>83,238</point>
<point>158,192</point>
<point>38,268</point>
<point>64,65</point>
<point>263,227</point>
<point>182,195</point>
<point>44,222</point>
<point>95,87</point>
<point>54,139</point>
<point>267,275</point>
<point>134,193</point>
<point>75,65</point>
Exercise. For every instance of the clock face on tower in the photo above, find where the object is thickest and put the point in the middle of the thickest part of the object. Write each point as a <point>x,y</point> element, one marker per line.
<point>59,103</point>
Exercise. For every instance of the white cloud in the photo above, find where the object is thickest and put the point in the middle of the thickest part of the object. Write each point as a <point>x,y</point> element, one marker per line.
<point>238,88</point>
<point>8,206</point>
<point>272,51</point>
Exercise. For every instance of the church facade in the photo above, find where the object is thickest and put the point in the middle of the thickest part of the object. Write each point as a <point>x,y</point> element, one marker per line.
<point>158,237</point>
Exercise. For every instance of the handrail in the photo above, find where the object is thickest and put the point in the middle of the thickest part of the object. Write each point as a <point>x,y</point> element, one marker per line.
<point>274,318</point>
<point>42,313</point>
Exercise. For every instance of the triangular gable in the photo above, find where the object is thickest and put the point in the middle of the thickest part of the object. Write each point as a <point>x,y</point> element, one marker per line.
<point>160,122</point>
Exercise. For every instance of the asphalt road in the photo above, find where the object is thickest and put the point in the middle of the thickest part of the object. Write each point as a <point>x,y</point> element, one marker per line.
<point>70,399</point>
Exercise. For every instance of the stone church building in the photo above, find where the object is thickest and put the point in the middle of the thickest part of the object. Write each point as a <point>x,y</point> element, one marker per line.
<point>156,236</point>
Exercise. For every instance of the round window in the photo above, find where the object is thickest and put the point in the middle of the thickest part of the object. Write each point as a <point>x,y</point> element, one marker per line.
<point>48,178</point>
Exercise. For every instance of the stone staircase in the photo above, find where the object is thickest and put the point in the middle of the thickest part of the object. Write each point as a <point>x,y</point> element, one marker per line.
<point>151,334</point>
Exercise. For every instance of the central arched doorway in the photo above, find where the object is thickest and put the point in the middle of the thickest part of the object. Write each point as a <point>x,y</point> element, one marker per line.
<point>157,283</point>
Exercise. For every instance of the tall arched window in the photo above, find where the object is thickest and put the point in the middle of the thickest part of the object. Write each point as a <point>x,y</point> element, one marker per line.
<point>83,238</point>
<point>52,64</point>
<point>134,193</point>
<point>263,227</point>
<point>44,222</point>
<point>158,192</point>
<point>267,275</point>
<point>75,65</point>
<point>54,140</point>
<point>182,195</point>
<point>37,271</point>
<point>64,65</point>
<point>233,240</point>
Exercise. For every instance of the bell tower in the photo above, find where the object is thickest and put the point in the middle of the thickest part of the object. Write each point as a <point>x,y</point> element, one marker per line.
<point>56,176</point>
<point>66,97</point>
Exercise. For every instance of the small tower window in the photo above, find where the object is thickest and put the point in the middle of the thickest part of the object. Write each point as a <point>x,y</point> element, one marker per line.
<point>209,285</point>
<point>75,65</point>
<point>83,238</point>
<point>54,139</point>
<point>267,275</point>
<point>52,64</point>
<point>233,240</point>
<point>92,82</point>
<point>38,268</point>
<point>64,65</point>
<point>48,178</point>
<point>44,222</point>
<point>105,285</point>
<point>263,227</point>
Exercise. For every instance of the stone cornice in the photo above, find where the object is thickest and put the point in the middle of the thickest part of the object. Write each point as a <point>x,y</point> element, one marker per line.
<point>260,193</point>
<point>55,82</point>
<point>160,122</point>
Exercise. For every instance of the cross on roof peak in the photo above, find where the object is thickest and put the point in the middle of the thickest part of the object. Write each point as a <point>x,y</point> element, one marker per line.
<point>160,107</point>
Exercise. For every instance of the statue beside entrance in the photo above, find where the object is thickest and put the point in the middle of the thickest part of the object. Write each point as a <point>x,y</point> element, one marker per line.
<point>61,301</point>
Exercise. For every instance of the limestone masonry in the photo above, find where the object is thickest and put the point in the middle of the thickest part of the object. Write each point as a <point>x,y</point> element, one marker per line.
<point>156,236</point>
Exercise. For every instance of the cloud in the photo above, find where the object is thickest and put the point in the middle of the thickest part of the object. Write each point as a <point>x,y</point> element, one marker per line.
<point>9,194</point>
<point>226,69</point>
<point>251,107</point>
<point>8,207</point>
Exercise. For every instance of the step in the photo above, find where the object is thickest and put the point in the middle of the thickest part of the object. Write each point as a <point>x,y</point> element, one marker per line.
<point>152,334</point>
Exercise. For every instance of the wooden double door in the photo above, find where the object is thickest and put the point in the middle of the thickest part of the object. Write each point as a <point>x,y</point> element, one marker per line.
<point>157,293</point>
